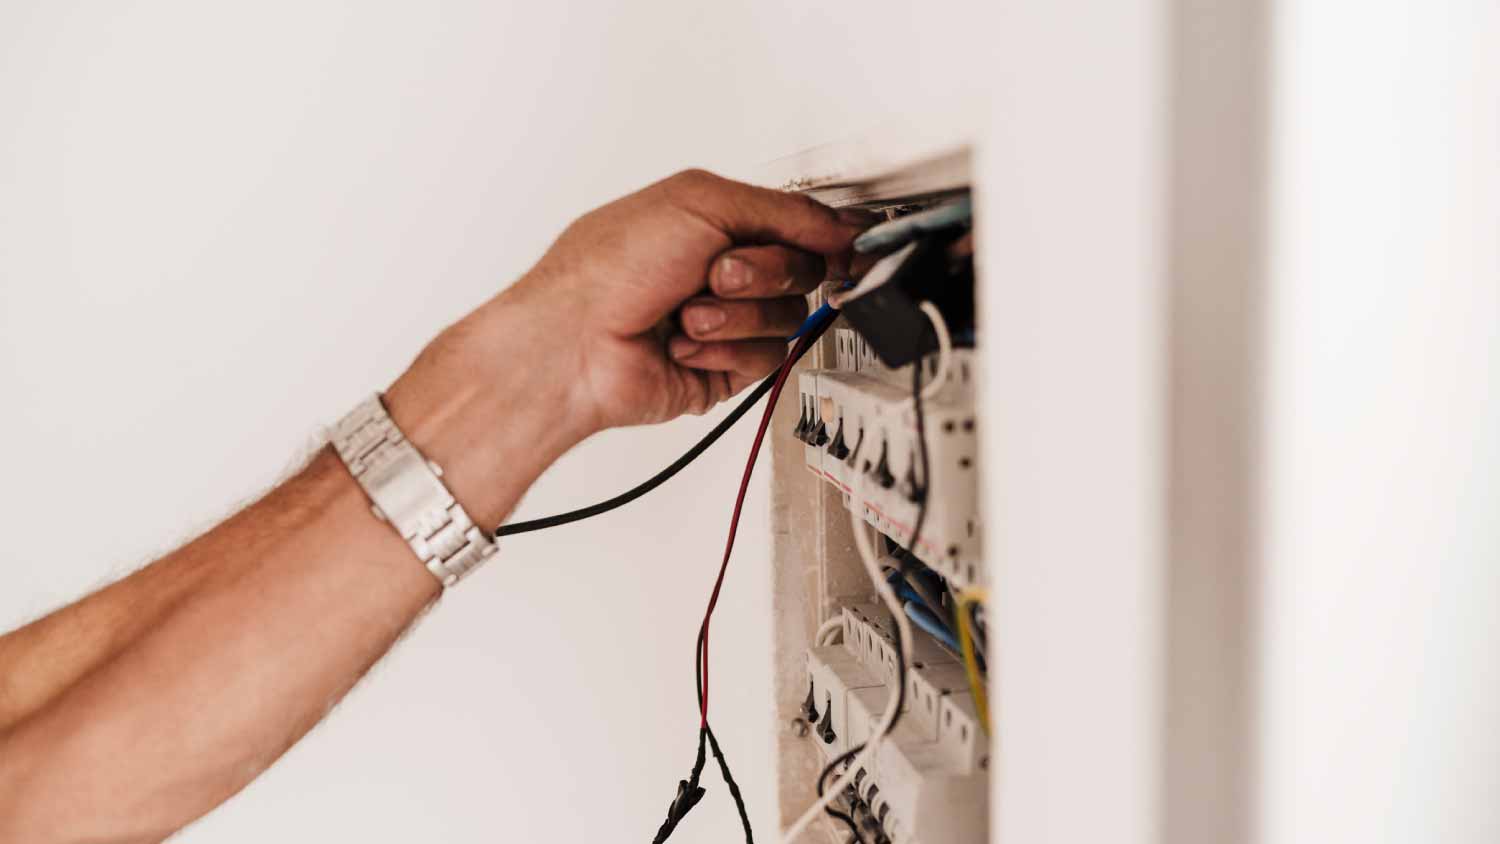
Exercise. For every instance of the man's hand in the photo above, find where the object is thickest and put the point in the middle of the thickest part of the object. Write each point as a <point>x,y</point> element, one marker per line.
<point>736,258</point>
<point>662,303</point>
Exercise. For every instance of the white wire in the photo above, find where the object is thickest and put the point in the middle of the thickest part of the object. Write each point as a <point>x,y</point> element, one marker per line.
<point>831,625</point>
<point>945,351</point>
<point>888,595</point>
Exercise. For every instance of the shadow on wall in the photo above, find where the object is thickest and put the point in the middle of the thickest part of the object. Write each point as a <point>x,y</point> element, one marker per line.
<point>1216,204</point>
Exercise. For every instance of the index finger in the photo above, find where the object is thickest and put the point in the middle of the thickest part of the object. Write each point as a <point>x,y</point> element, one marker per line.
<point>750,214</point>
<point>762,272</point>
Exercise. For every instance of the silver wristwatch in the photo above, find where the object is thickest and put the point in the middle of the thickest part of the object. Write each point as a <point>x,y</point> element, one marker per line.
<point>407,493</point>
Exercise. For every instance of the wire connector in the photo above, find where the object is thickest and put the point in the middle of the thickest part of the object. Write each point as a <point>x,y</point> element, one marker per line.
<point>688,794</point>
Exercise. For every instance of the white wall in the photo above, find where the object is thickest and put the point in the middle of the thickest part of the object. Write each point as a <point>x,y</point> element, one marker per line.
<point>1381,693</point>
<point>222,224</point>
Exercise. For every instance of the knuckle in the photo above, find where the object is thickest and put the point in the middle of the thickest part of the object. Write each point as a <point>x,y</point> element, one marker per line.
<point>806,199</point>
<point>691,178</point>
<point>817,208</point>
<point>696,402</point>
<point>709,397</point>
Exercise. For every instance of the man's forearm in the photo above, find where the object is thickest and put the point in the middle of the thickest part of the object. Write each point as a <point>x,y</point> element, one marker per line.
<point>226,678</point>
<point>149,703</point>
<point>41,660</point>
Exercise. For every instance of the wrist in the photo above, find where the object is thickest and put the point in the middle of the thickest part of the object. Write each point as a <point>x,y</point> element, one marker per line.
<point>494,401</point>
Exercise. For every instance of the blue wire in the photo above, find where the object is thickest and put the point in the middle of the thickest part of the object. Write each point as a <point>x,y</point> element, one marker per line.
<point>903,589</point>
<point>815,318</point>
<point>928,622</point>
<point>824,310</point>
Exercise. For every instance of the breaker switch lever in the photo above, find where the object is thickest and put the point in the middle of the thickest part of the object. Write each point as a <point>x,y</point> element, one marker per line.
<point>881,472</point>
<point>818,436</point>
<point>912,490</point>
<point>859,440</point>
<point>810,706</point>
<point>825,727</point>
<point>803,422</point>
<point>838,448</point>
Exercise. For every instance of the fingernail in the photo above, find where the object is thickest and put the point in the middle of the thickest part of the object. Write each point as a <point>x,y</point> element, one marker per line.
<point>734,275</point>
<point>683,347</point>
<point>704,318</point>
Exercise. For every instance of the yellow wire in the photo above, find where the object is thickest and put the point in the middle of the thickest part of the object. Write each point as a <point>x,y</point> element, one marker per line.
<point>966,599</point>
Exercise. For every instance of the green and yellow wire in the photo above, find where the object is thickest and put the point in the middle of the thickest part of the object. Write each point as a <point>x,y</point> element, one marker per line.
<point>966,600</point>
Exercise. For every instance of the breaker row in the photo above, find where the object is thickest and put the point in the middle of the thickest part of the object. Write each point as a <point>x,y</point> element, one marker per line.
<point>928,781</point>
<point>858,424</point>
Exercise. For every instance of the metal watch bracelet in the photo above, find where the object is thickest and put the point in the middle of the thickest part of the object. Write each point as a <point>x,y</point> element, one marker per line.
<point>407,492</point>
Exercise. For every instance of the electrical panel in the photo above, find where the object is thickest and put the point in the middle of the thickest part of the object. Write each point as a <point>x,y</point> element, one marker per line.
<point>847,452</point>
